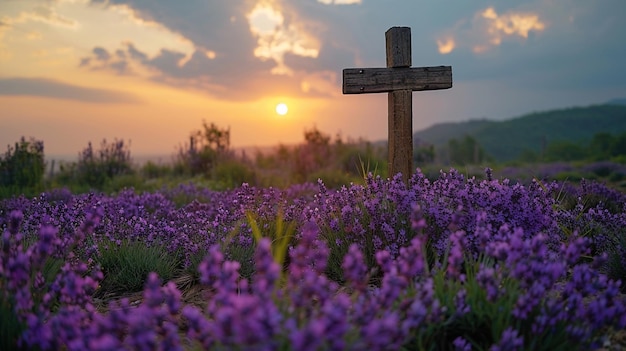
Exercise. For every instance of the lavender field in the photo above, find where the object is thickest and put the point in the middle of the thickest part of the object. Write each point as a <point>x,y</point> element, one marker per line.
<point>445,264</point>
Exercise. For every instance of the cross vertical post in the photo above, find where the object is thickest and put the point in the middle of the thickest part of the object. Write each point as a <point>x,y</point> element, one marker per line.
<point>400,106</point>
<point>399,80</point>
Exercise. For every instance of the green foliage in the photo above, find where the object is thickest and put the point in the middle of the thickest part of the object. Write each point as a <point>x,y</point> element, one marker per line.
<point>572,176</point>
<point>111,160</point>
<point>95,168</point>
<point>151,170</point>
<point>311,156</point>
<point>192,269</point>
<point>22,168</point>
<point>242,253</point>
<point>564,151</point>
<point>333,178</point>
<point>529,156</point>
<point>616,262</point>
<point>280,233</point>
<point>506,140</point>
<point>233,173</point>
<point>485,321</point>
<point>10,327</point>
<point>127,265</point>
<point>208,162</point>
<point>423,154</point>
<point>338,250</point>
<point>352,162</point>
<point>126,181</point>
<point>339,240</point>
<point>338,162</point>
<point>465,151</point>
<point>601,146</point>
<point>205,149</point>
<point>440,133</point>
<point>359,159</point>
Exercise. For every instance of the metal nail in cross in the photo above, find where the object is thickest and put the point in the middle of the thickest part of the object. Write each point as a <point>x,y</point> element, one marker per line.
<point>399,79</point>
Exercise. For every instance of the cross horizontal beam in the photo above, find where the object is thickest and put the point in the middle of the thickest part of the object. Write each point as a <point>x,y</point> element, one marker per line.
<point>379,80</point>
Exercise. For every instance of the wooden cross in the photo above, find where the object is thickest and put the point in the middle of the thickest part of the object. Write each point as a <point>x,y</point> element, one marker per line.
<point>399,79</point>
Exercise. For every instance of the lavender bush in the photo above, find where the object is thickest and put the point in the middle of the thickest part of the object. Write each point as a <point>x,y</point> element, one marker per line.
<point>449,264</point>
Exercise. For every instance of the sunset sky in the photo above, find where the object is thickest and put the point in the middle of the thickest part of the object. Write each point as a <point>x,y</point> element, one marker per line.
<point>150,71</point>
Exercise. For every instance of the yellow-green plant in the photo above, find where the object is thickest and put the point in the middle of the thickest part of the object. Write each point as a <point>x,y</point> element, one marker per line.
<point>283,233</point>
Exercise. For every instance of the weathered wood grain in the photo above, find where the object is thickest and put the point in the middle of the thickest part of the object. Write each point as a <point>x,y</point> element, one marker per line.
<point>398,46</point>
<point>381,80</point>
<point>400,130</point>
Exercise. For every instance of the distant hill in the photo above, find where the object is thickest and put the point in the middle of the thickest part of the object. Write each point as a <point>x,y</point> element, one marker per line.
<point>440,133</point>
<point>506,140</point>
<point>617,102</point>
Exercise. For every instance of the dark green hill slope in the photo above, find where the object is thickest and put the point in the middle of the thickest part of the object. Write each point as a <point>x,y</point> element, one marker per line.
<point>440,133</point>
<point>617,102</point>
<point>506,140</point>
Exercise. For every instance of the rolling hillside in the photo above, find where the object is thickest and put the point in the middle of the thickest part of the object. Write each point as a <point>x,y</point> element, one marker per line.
<point>506,140</point>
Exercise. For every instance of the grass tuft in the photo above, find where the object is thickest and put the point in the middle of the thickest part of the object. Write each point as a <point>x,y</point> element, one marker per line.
<point>126,266</point>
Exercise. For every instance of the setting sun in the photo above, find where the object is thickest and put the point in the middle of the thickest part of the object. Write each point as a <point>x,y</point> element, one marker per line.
<point>282,109</point>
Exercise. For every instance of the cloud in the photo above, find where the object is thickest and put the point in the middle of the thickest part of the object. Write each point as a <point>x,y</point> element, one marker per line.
<point>214,25</point>
<point>296,47</point>
<point>264,42</point>
<point>446,45</point>
<point>58,90</point>
<point>488,29</point>
<point>221,61</point>
<point>340,2</point>
<point>101,59</point>
<point>245,50</point>
<point>101,54</point>
<point>42,13</point>
<point>576,51</point>
<point>135,53</point>
<point>510,24</point>
<point>320,84</point>
<point>275,37</point>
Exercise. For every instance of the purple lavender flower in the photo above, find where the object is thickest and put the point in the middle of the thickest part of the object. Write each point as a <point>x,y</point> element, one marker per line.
<point>509,341</point>
<point>460,344</point>
<point>460,302</point>
<point>455,255</point>
<point>355,269</point>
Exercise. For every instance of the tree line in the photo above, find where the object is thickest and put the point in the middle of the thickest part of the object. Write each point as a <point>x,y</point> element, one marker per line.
<point>206,158</point>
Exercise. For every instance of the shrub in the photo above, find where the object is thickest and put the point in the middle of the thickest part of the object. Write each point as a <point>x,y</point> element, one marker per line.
<point>127,181</point>
<point>206,148</point>
<point>233,173</point>
<point>113,159</point>
<point>95,168</point>
<point>153,170</point>
<point>22,168</point>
